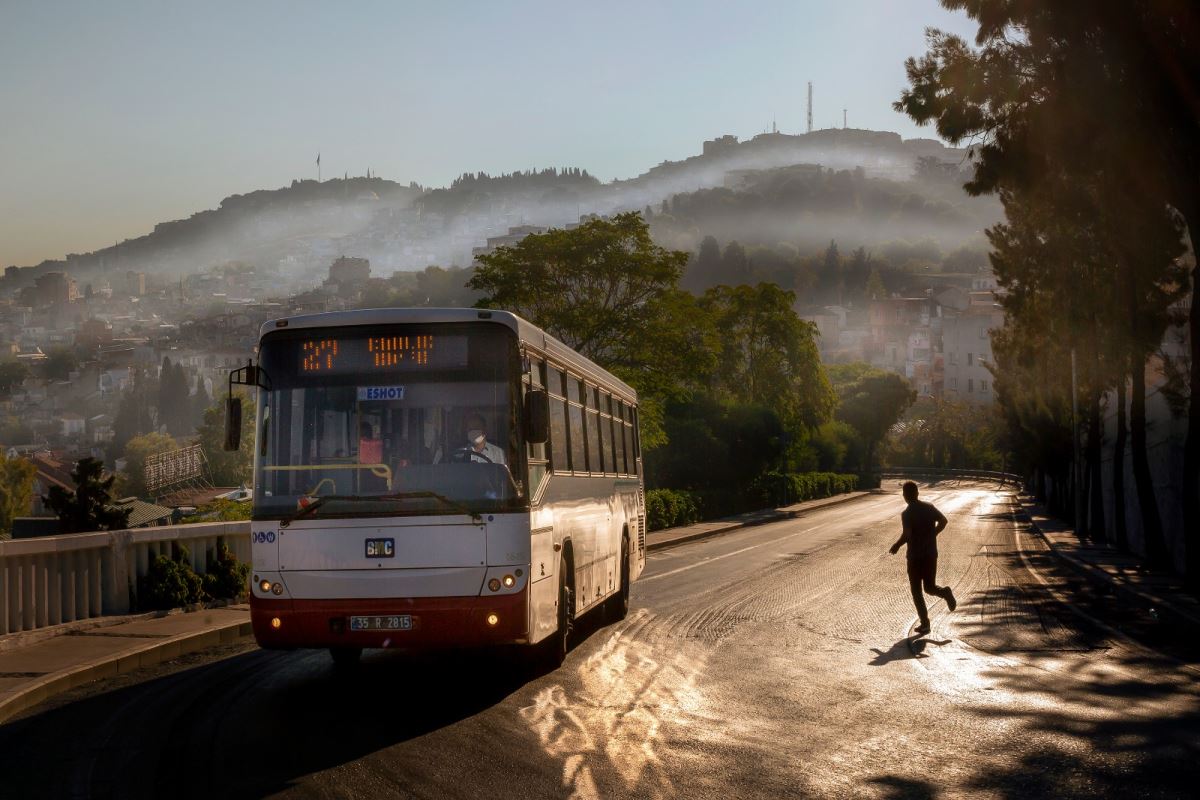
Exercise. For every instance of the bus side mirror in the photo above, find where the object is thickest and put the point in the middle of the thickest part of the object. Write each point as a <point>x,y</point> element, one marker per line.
<point>537,416</point>
<point>233,423</point>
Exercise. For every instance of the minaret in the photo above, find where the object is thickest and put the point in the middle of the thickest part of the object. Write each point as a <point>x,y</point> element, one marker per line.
<point>843,119</point>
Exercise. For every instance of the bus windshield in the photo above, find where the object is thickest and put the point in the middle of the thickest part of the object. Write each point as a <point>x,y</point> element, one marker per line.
<point>392,420</point>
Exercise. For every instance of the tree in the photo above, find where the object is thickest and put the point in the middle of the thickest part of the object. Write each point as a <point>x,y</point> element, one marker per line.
<point>735,267</point>
<point>137,451</point>
<point>767,355</point>
<point>60,363</point>
<point>875,289</point>
<point>87,508</point>
<point>16,490</point>
<point>133,414</point>
<point>225,468</point>
<point>705,271</point>
<point>1102,91</point>
<point>606,290</point>
<point>872,404</point>
<point>12,373</point>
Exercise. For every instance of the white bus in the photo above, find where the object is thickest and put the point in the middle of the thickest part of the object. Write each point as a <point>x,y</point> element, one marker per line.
<point>436,477</point>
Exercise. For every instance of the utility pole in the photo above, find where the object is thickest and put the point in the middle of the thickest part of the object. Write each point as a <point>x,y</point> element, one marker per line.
<point>1076,476</point>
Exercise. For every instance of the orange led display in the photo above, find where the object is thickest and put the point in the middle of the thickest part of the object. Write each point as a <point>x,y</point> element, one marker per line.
<point>388,351</point>
<point>318,356</point>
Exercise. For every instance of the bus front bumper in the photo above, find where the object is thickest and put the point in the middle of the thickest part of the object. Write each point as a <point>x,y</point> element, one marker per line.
<point>434,622</point>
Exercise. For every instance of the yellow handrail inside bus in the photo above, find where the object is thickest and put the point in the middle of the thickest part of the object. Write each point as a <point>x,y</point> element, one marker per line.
<point>378,470</point>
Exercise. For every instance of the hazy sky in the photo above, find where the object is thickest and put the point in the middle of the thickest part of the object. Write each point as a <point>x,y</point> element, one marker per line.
<point>116,115</point>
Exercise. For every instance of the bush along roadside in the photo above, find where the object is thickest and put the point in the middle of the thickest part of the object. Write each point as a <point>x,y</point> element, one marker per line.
<point>669,508</point>
<point>171,582</point>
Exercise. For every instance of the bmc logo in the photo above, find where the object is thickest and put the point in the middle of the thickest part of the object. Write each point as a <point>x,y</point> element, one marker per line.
<point>263,537</point>
<point>381,548</point>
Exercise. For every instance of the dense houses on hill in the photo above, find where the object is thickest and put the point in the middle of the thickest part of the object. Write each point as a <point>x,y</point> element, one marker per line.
<point>940,339</point>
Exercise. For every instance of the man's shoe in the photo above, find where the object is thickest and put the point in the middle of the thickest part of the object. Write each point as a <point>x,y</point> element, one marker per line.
<point>922,629</point>
<point>951,603</point>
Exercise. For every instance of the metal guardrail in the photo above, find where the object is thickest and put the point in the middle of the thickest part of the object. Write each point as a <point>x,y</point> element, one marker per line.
<point>934,472</point>
<point>50,580</point>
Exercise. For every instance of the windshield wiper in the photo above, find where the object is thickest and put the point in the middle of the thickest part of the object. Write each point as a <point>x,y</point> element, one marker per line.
<point>474,515</point>
<point>320,501</point>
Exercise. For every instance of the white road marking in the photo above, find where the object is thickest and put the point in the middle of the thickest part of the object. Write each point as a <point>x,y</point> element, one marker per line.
<point>711,559</point>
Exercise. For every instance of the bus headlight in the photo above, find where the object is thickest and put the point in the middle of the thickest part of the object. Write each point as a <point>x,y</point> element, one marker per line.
<point>509,581</point>
<point>493,618</point>
<point>276,622</point>
<point>494,584</point>
<point>265,586</point>
<point>277,588</point>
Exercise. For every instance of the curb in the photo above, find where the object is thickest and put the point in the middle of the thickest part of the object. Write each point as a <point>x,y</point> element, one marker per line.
<point>1098,575</point>
<point>148,655</point>
<point>774,515</point>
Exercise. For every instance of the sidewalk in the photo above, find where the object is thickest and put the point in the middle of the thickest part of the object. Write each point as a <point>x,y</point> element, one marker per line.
<point>671,536</point>
<point>39,664</point>
<point>1165,593</point>
<point>33,672</point>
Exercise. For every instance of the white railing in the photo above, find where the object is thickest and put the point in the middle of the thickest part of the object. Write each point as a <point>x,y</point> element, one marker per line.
<point>50,580</point>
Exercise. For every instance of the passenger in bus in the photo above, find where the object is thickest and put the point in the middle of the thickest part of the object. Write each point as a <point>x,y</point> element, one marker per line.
<point>477,443</point>
<point>370,447</point>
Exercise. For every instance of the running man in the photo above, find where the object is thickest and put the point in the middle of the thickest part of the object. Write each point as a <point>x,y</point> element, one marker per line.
<point>922,524</point>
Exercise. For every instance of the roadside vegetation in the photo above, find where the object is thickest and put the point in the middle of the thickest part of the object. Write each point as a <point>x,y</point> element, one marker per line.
<point>1095,166</point>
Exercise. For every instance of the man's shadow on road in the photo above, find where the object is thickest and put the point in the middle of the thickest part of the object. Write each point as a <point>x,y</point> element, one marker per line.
<point>909,647</point>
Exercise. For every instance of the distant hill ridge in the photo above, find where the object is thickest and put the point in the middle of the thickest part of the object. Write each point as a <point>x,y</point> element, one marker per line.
<point>271,223</point>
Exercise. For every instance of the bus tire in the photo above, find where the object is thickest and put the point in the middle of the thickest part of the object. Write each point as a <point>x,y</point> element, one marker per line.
<point>553,650</point>
<point>345,656</point>
<point>618,604</point>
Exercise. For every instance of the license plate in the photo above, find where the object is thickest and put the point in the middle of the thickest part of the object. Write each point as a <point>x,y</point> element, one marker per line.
<point>399,622</point>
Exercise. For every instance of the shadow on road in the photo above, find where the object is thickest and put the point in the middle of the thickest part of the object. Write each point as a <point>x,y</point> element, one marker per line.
<point>905,649</point>
<point>1087,718</point>
<point>258,723</point>
<point>895,787</point>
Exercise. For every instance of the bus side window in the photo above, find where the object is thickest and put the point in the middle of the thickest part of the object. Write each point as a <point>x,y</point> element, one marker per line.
<point>537,452</point>
<point>619,431</point>
<point>606,431</point>
<point>595,462</point>
<point>575,425</point>
<point>630,441</point>
<point>559,441</point>
<point>635,448</point>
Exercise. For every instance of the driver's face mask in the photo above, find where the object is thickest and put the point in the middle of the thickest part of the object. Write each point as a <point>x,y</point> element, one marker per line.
<point>476,437</point>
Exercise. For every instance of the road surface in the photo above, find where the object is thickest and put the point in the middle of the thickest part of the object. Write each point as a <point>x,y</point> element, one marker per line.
<point>774,661</point>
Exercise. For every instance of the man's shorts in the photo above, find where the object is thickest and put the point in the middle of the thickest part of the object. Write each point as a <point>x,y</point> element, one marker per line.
<point>923,568</point>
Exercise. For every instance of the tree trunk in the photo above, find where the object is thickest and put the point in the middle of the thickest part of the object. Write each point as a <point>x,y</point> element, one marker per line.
<point>1156,548</point>
<point>1120,535</point>
<point>1187,200</point>
<point>1191,448</point>
<point>1095,522</point>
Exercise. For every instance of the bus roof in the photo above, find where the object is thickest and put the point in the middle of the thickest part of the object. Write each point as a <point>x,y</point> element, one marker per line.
<point>526,331</point>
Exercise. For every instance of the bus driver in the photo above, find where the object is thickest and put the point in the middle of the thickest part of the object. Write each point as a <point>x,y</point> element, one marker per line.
<point>477,443</point>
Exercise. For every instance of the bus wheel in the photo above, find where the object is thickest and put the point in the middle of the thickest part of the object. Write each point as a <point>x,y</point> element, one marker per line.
<point>618,604</point>
<point>553,650</point>
<point>345,656</point>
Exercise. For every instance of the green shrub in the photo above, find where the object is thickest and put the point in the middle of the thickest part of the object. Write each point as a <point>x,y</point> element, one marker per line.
<point>172,583</point>
<point>780,489</point>
<point>669,508</point>
<point>169,583</point>
<point>226,576</point>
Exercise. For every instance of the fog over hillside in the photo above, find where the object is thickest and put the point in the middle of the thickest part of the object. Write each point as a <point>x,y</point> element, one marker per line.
<point>767,189</point>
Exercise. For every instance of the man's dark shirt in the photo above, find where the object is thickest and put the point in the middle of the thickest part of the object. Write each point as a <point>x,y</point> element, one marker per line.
<point>920,520</point>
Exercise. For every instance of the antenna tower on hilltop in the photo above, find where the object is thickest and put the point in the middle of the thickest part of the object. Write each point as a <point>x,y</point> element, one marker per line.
<point>810,106</point>
<point>843,119</point>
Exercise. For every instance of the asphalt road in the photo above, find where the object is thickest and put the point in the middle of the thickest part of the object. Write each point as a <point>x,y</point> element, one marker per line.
<point>770,662</point>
